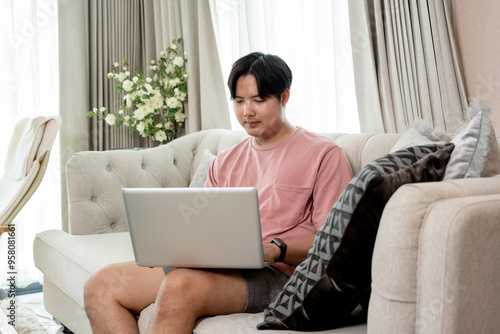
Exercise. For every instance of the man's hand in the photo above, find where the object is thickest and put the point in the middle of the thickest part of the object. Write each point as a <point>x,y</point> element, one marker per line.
<point>271,252</point>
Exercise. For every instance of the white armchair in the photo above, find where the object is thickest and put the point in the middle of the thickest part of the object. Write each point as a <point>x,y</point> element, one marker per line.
<point>27,158</point>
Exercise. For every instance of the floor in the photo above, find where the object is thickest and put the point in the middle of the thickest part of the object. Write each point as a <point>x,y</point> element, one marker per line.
<point>34,302</point>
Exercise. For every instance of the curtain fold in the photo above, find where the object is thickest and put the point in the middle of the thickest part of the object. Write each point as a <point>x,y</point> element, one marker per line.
<point>207,102</point>
<point>93,34</point>
<point>406,65</point>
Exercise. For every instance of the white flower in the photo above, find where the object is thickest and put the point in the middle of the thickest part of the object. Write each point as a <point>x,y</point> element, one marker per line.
<point>179,94</point>
<point>149,88</point>
<point>127,85</point>
<point>128,100</point>
<point>172,102</point>
<point>174,82</point>
<point>160,136</point>
<point>139,114</point>
<point>141,127</point>
<point>179,61</point>
<point>148,99</point>
<point>121,76</point>
<point>179,116</point>
<point>157,100</point>
<point>110,119</point>
<point>170,69</point>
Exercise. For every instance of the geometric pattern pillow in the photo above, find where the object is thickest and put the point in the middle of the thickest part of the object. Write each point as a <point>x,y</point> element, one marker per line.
<point>280,313</point>
<point>476,151</point>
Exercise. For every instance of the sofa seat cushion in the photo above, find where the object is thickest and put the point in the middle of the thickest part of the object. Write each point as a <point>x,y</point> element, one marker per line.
<point>60,257</point>
<point>240,323</point>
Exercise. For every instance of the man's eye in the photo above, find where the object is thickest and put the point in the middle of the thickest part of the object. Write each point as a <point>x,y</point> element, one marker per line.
<point>259,101</point>
<point>238,101</point>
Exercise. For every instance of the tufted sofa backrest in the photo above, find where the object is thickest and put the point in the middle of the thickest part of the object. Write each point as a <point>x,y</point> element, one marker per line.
<point>95,179</point>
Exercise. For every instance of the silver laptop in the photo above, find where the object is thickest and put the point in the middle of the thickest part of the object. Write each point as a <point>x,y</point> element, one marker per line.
<point>195,227</point>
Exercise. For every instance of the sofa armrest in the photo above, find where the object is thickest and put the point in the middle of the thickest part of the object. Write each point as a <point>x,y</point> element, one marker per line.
<point>398,258</point>
<point>458,267</point>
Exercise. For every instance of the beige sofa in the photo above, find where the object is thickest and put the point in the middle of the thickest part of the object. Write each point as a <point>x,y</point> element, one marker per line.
<point>436,261</point>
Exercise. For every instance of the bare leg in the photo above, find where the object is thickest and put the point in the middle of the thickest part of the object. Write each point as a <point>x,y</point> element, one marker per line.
<point>115,291</point>
<point>187,294</point>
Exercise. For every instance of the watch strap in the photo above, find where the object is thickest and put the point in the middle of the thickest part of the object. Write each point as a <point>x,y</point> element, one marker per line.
<point>282,245</point>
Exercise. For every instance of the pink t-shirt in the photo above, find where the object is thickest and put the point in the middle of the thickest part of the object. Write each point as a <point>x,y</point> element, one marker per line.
<point>298,181</point>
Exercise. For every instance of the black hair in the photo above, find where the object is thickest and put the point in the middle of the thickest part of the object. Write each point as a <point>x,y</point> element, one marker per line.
<point>272,74</point>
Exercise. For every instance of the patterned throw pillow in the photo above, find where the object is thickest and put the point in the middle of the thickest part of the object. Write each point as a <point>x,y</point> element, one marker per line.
<point>335,278</point>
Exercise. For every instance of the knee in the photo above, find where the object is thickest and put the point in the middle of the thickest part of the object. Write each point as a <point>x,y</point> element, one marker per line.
<point>100,284</point>
<point>180,289</point>
<point>180,282</point>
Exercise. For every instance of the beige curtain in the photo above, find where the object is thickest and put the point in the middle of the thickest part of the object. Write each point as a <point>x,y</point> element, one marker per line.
<point>115,33</point>
<point>95,33</point>
<point>406,64</point>
<point>207,104</point>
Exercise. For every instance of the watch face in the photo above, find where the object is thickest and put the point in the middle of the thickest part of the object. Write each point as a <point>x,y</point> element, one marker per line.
<point>279,242</point>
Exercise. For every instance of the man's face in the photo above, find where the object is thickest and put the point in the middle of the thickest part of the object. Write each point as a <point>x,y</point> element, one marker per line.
<point>261,118</point>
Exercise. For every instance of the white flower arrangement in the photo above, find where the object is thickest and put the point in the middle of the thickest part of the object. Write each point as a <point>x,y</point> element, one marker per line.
<point>151,106</point>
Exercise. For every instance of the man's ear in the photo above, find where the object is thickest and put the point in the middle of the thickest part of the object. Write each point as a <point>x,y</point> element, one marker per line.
<point>285,96</point>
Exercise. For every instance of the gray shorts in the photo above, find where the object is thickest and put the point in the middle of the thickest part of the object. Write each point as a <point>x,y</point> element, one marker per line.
<point>262,286</point>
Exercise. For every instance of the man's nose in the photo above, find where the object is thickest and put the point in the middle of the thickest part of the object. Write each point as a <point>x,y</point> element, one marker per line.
<point>248,110</point>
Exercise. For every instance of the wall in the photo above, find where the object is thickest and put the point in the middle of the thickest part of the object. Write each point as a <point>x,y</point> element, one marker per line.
<point>477,26</point>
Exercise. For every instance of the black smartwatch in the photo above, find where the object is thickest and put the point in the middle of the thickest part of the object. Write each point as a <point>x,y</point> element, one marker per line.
<point>282,245</point>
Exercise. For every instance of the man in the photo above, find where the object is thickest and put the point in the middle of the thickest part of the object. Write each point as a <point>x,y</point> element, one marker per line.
<point>299,176</point>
